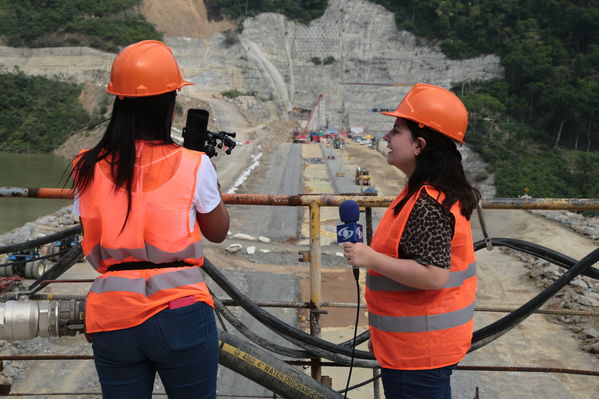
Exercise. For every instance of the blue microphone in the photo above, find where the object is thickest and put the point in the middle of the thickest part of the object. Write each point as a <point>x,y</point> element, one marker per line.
<point>349,230</point>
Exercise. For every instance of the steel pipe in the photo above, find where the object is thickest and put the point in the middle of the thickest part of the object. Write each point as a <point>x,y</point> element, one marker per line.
<point>572,204</point>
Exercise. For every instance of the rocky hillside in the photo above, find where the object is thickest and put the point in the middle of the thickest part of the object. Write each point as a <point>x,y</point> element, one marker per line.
<point>283,64</point>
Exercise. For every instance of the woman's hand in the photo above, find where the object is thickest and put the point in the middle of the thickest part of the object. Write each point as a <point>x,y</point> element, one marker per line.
<point>358,254</point>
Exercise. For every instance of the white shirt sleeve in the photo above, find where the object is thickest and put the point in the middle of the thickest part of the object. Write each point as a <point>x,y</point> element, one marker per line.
<point>76,205</point>
<point>206,196</point>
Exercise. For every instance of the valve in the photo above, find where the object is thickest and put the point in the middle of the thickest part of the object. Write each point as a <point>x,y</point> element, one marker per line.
<point>29,319</point>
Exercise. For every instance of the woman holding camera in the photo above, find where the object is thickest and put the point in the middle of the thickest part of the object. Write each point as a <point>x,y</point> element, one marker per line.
<point>145,205</point>
<point>421,281</point>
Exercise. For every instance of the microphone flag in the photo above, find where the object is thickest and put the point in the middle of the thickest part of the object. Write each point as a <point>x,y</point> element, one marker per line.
<point>349,230</point>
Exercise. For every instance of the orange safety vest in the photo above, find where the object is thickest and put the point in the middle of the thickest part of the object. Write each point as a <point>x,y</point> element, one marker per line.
<point>157,230</point>
<point>414,329</point>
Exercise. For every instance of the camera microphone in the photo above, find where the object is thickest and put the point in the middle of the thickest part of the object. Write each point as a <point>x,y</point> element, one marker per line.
<point>350,230</point>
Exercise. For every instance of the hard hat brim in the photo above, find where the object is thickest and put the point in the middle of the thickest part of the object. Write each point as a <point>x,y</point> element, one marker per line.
<point>120,94</point>
<point>400,115</point>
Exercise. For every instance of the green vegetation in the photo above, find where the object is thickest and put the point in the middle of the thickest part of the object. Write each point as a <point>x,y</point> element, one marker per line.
<point>302,11</point>
<point>103,24</point>
<point>539,127</point>
<point>233,93</point>
<point>231,37</point>
<point>38,114</point>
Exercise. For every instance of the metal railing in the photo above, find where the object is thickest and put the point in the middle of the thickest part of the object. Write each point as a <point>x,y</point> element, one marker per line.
<point>315,202</point>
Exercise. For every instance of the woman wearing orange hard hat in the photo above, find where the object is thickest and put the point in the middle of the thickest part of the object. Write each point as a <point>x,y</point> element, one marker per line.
<point>145,205</point>
<point>421,281</point>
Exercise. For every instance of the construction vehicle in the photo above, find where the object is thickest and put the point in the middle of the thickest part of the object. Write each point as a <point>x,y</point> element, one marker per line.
<point>362,177</point>
<point>63,245</point>
<point>31,266</point>
<point>337,143</point>
<point>299,136</point>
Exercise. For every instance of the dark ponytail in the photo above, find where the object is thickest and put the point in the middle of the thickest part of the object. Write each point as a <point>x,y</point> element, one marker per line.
<point>439,164</point>
<point>140,118</point>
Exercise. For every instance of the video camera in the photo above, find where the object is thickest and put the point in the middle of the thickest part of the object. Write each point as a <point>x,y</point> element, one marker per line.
<point>197,137</point>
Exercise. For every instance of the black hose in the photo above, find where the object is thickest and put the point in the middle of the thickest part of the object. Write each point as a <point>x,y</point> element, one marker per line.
<point>539,251</point>
<point>353,346</point>
<point>268,371</point>
<point>360,339</point>
<point>480,338</point>
<point>255,338</point>
<point>309,350</point>
<point>63,264</point>
<point>40,241</point>
<point>495,330</point>
<point>272,322</point>
<point>335,357</point>
<point>360,384</point>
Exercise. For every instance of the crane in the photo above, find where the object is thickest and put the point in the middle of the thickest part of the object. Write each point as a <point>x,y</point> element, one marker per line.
<point>313,113</point>
<point>301,135</point>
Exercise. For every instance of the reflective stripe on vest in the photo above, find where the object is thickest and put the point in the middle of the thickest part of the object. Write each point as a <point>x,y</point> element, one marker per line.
<point>152,285</point>
<point>148,253</point>
<point>410,324</point>
<point>382,283</point>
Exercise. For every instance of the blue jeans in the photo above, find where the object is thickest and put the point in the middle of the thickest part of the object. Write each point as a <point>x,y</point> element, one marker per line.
<point>180,344</point>
<point>417,384</point>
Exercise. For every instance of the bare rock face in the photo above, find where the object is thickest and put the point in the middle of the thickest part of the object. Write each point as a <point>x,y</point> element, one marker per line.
<point>75,64</point>
<point>355,42</point>
<point>345,55</point>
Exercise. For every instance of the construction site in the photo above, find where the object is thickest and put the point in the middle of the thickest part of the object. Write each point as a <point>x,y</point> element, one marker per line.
<point>286,301</point>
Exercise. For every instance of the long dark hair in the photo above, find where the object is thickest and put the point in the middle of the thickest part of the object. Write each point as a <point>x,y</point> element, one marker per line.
<point>439,164</point>
<point>146,118</point>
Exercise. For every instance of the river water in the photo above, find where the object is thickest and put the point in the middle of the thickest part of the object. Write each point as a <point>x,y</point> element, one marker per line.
<point>29,170</point>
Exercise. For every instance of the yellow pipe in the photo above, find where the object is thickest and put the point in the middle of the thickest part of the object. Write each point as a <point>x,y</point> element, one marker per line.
<point>315,282</point>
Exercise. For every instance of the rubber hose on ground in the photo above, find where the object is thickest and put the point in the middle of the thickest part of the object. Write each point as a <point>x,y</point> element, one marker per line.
<point>309,350</point>
<point>496,329</point>
<point>272,322</point>
<point>539,251</point>
<point>255,338</point>
<point>40,241</point>
<point>268,371</point>
<point>493,331</point>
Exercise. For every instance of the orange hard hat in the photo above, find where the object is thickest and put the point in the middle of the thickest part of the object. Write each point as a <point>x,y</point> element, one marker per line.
<point>145,68</point>
<point>436,108</point>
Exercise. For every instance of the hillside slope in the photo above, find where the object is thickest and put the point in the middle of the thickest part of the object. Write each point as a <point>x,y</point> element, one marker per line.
<point>187,18</point>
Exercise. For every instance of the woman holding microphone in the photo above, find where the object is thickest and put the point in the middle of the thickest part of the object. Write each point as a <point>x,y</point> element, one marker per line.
<point>421,281</point>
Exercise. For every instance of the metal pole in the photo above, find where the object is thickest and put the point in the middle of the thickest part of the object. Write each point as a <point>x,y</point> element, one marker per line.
<point>376,387</point>
<point>315,282</point>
